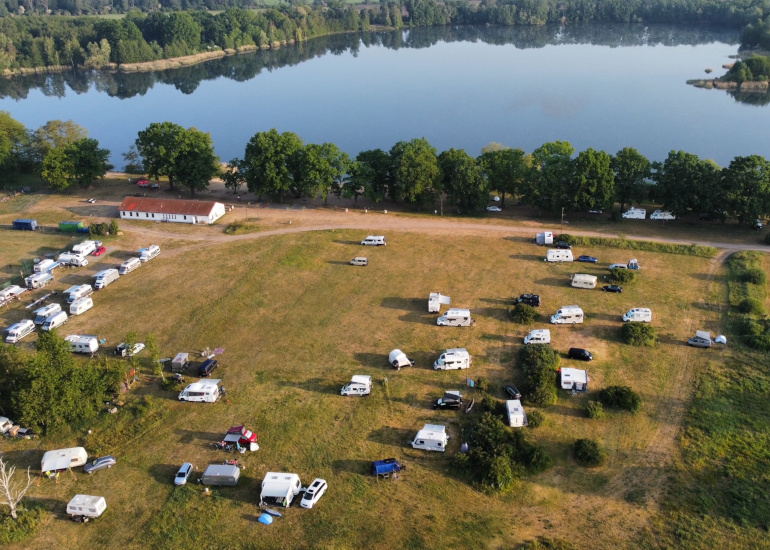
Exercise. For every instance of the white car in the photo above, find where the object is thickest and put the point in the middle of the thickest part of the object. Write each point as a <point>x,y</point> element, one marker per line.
<point>661,215</point>
<point>183,474</point>
<point>496,198</point>
<point>493,209</point>
<point>121,349</point>
<point>313,493</point>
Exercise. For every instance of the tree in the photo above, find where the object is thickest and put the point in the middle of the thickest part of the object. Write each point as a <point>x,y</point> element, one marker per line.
<point>463,182</point>
<point>319,169</point>
<point>13,136</point>
<point>55,134</point>
<point>195,161</point>
<point>371,174</point>
<point>268,163</point>
<point>685,183</point>
<point>158,146</point>
<point>153,349</point>
<point>505,169</point>
<point>78,163</point>
<point>11,492</point>
<point>747,184</point>
<point>57,169</point>
<point>416,171</point>
<point>632,169</point>
<point>549,179</point>
<point>593,181</point>
<point>233,176</point>
<point>589,453</point>
<point>133,160</point>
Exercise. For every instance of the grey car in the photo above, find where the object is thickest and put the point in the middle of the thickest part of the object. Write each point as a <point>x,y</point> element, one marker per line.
<point>100,464</point>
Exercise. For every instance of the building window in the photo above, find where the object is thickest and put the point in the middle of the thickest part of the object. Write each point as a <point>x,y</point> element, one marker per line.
<point>185,217</point>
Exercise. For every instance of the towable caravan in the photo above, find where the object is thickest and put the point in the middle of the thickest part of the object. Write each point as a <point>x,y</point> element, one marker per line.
<point>63,459</point>
<point>72,259</point>
<point>85,507</point>
<point>517,418</point>
<point>55,320</point>
<point>77,292</point>
<point>581,280</point>
<point>221,474</point>
<point>456,318</point>
<point>82,344</point>
<point>538,336</point>
<point>635,214</point>
<point>45,312</point>
<point>147,254</point>
<point>544,238</point>
<point>279,488</point>
<point>81,305</point>
<point>85,248</point>
<point>129,265</point>
<point>559,255</point>
<point>44,266</point>
<point>103,278</point>
<point>638,314</point>
<point>574,379</point>
<point>435,301</point>
<point>19,330</point>
<point>455,358</point>
<point>567,315</point>
<point>180,362</point>
<point>38,280</point>
<point>204,391</point>
<point>432,437</point>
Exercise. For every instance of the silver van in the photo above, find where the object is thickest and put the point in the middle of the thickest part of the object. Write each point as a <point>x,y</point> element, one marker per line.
<point>359,261</point>
<point>19,330</point>
<point>55,320</point>
<point>374,240</point>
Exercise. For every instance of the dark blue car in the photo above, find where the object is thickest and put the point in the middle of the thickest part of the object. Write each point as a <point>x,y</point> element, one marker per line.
<point>589,259</point>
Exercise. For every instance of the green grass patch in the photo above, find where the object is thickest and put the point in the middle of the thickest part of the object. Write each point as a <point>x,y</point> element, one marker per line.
<point>647,246</point>
<point>121,430</point>
<point>241,227</point>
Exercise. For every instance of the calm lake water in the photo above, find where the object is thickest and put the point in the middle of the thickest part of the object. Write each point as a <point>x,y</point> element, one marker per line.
<point>605,87</point>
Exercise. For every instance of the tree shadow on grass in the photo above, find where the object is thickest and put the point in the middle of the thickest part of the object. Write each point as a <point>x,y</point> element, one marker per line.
<point>362,467</point>
<point>387,435</point>
<point>192,436</point>
<point>337,262</point>
<point>318,385</point>
<point>528,257</point>
<point>342,241</point>
<point>405,304</point>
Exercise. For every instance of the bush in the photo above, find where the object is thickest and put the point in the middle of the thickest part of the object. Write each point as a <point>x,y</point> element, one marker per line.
<point>26,525</point>
<point>523,314</point>
<point>493,406</point>
<point>588,453</point>
<point>569,239</point>
<point>624,276</point>
<point>754,275</point>
<point>114,227</point>
<point>499,475</point>
<point>540,362</point>
<point>620,397</point>
<point>595,410</point>
<point>751,306</point>
<point>535,419</point>
<point>98,229</point>
<point>638,334</point>
<point>482,384</point>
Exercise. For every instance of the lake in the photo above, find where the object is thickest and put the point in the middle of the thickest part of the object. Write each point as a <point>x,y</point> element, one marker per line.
<point>600,86</point>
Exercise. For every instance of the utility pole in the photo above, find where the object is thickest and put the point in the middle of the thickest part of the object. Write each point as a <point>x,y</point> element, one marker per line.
<point>562,219</point>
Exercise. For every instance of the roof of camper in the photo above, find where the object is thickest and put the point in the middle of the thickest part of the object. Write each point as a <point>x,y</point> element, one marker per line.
<point>167,206</point>
<point>577,375</point>
<point>431,431</point>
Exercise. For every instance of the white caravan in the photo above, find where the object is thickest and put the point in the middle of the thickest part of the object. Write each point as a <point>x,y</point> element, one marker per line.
<point>574,379</point>
<point>538,336</point>
<point>129,265</point>
<point>19,330</point>
<point>374,240</point>
<point>45,312</point>
<point>359,385</point>
<point>558,255</point>
<point>72,259</point>
<point>82,344</point>
<point>86,506</point>
<point>85,248</point>
<point>279,488</point>
<point>13,291</point>
<point>635,214</point>
<point>638,314</point>
<point>62,459</point>
<point>81,305</point>
<point>432,437</point>
<point>544,238</point>
<point>55,320</point>
<point>103,278</point>
<point>436,300</point>
<point>45,266</point>
<point>456,318</point>
<point>517,418</point>
<point>147,254</point>
<point>38,280</point>
<point>454,358</point>
<point>204,391</point>
<point>77,292</point>
<point>567,315</point>
<point>581,280</point>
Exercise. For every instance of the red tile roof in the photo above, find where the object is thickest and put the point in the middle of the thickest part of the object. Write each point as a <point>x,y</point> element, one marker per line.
<point>167,206</point>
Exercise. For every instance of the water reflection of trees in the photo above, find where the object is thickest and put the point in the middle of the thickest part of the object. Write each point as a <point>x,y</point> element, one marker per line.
<point>244,67</point>
<point>751,98</point>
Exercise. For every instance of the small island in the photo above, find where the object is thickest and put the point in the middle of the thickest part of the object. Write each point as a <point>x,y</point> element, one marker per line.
<point>748,75</point>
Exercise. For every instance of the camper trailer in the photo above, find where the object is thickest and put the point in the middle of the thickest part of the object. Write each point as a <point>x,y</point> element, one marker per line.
<point>454,358</point>
<point>45,312</point>
<point>81,305</point>
<point>635,214</point>
<point>538,336</point>
<point>279,488</point>
<point>574,379</point>
<point>204,391</point>
<point>567,315</point>
<point>75,260</point>
<point>544,238</point>
<point>638,314</point>
<point>129,265</point>
<point>44,266</point>
<point>398,359</point>
<point>517,418</point>
<point>147,254</point>
<point>432,437</point>
<point>19,330</point>
<point>5,425</point>
<point>38,280</point>
<point>359,385</point>
<point>456,318</point>
<point>85,248</point>
<point>103,278</point>
<point>62,459</point>
<point>85,507</point>
<point>558,255</point>
<point>180,362</point>
<point>75,293</point>
<point>82,344</point>
<point>436,300</point>
<point>581,280</point>
<point>54,321</point>
<point>221,474</point>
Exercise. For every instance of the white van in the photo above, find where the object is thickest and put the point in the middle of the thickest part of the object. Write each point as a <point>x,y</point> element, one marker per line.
<point>103,278</point>
<point>661,215</point>
<point>55,320</point>
<point>45,312</point>
<point>19,330</point>
<point>129,265</point>
<point>204,391</point>
<point>538,336</point>
<point>82,344</point>
<point>359,385</point>
<point>635,214</point>
<point>567,315</point>
<point>77,292</point>
<point>454,358</point>
<point>359,260</point>
<point>456,318</point>
<point>638,314</point>
<point>72,259</point>
<point>558,255</point>
<point>38,280</point>
<point>581,280</point>
<point>81,305</point>
<point>432,437</point>
<point>374,240</point>
<point>147,254</point>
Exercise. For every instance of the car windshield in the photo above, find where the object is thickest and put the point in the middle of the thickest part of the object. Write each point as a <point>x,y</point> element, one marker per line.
<point>308,495</point>
<point>181,473</point>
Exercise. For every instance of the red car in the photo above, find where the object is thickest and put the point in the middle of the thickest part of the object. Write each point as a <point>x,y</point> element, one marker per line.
<point>143,183</point>
<point>99,251</point>
<point>242,436</point>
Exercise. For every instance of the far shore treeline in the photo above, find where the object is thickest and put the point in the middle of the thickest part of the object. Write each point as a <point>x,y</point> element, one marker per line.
<point>413,173</point>
<point>33,36</point>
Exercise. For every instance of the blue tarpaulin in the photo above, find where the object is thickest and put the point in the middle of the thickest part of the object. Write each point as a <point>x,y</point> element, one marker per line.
<point>267,519</point>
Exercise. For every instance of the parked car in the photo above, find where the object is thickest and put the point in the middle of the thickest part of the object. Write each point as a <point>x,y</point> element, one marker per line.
<point>121,349</point>
<point>493,209</point>
<point>207,367</point>
<point>444,403</point>
<point>596,211</point>
<point>581,354</point>
<point>183,474</point>
<point>496,198</point>
<point>512,391</point>
<point>589,259</point>
<point>757,224</point>
<point>359,260</point>
<point>313,493</point>
<point>102,463</point>
<point>91,201</point>
<point>99,251</point>
<point>612,288</point>
<point>528,299</point>
<point>155,185</point>
<point>143,183</point>
<point>661,215</point>
<point>563,245</point>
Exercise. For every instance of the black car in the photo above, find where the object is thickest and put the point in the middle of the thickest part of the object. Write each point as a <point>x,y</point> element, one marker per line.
<point>449,404</point>
<point>528,299</point>
<point>564,245</point>
<point>208,367</point>
<point>612,288</point>
<point>580,353</point>
<point>512,391</point>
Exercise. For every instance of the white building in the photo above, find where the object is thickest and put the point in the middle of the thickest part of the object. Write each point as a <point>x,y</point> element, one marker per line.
<point>171,210</point>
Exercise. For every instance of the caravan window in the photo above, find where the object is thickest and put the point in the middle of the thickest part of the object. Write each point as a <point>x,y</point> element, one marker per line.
<point>439,444</point>
<point>421,442</point>
<point>73,460</point>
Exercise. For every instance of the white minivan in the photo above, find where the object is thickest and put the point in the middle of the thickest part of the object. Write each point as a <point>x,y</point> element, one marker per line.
<point>374,240</point>
<point>55,320</point>
<point>19,330</point>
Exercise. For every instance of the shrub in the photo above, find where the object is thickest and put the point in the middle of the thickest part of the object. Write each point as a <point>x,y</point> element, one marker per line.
<point>498,474</point>
<point>524,314</point>
<point>98,229</point>
<point>754,275</point>
<point>493,406</point>
<point>539,362</point>
<point>625,276</point>
<point>620,397</point>
<point>482,384</point>
<point>114,227</point>
<point>588,453</point>
<point>569,239</point>
<point>751,306</point>
<point>595,410</point>
<point>638,334</point>
<point>26,525</point>
<point>535,419</point>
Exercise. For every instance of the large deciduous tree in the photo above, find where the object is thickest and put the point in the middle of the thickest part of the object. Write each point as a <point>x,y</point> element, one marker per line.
<point>320,169</point>
<point>463,181</point>
<point>505,169</point>
<point>196,163</point>
<point>370,175</point>
<point>78,163</point>
<point>549,180</point>
<point>632,169</point>
<point>13,136</point>
<point>269,163</point>
<point>416,170</point>
<point>158,146</point>
<point>55,134</point>
<point>684,183</point>
<point>747,184</point>
<point>593,181</point>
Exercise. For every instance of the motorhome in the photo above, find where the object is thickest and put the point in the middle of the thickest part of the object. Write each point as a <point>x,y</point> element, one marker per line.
<point>81,305</point>
<point>13,291</point>
<point>456,318</point>
<point>85,248</point>
<point>517,417</point>
<point>203,391</point>
<point>574,379</point>
<point>544,238</point>
<point>538,336</point>
<point>44,266</point>
<point>662,215</point>
<point>105,277</point>
<point>85,507</point>
<point>432,437</point>
<point>581,280</point>
<point>147,254</point>
<point>453,358</point>
<point>82,344</point>
<point>635,214</point>
<point>398,359</point>
<point>38,280</point>
<point>436,300</point>
<point>72,259</point>
<point>638,314</point>
<point>63,459</point>
<point>279,488</point>
<point>77,292</point>
<point>19,330</point>
<point>567,315</point>
<point>45,312</point>
<point>54,321</point>
<point>558,255</point>
<point>374,240</point>
<point>221,474</point>
<point>359,385</point>
<point>129,265</point>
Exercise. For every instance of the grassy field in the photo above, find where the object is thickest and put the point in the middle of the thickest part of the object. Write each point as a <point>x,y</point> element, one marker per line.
<point>296,322</point>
